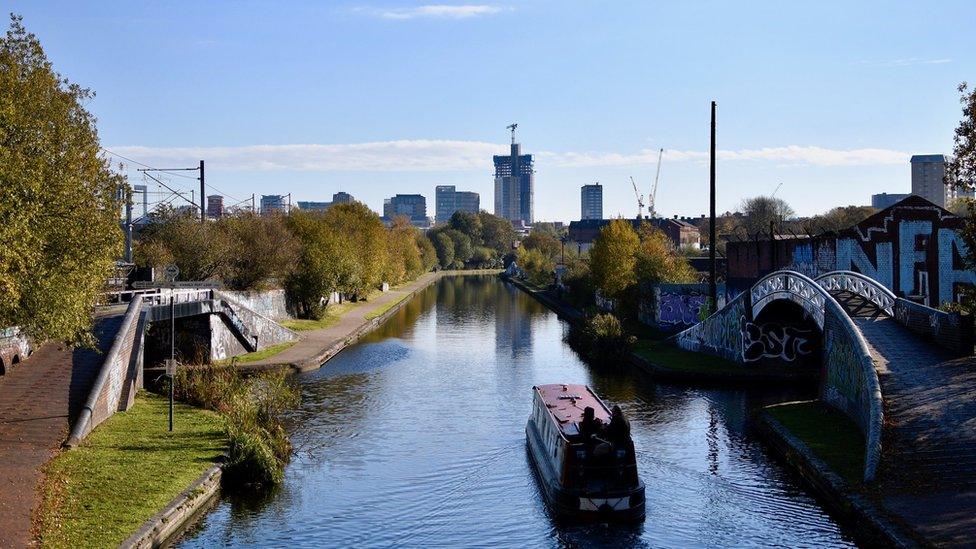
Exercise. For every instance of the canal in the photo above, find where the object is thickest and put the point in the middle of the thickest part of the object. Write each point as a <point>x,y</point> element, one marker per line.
<point>415,437</point>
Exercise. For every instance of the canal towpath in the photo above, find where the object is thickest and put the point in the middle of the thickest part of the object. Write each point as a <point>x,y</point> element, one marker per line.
<point>38,401</point>
<point>315,347</point>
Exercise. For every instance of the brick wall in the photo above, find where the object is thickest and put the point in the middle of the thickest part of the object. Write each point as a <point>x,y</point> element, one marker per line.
<point>951,331</point>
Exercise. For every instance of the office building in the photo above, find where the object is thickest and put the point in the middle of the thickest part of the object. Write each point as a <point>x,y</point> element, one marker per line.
<point>448,200</point>
<point>271,203</point>
<point>215,206</point>
<point>514,185</point>
<point>342,198</point>
<point>884,200</point>
<point>313,206</point>
<point>414,206</point>
<point>591,201</point>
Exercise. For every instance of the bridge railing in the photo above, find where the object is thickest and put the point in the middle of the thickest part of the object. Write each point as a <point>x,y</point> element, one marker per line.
<point>863,286</point>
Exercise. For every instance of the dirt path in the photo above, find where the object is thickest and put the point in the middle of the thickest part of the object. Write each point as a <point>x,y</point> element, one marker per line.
<point>38,399</point>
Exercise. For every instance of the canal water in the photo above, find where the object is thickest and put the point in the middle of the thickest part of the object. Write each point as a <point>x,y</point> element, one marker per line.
<point>415,437</point>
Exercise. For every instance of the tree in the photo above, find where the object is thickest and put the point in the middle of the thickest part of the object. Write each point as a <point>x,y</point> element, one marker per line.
<point>261,250</point>
<point>961,172</point>
<point>404,255</point>
<point>496,233</point>
<point>463,249</point>
<point>428,255</point>
<point>469,224</point>
<point>325,264</point>
<point>760,211</point>
<point>364,236</point>
<point>612,258</point>
<point>537,266</point>
<point>544,241</point>
<point>840,218</point>
<point>445,250</point>
<point>657,261</point>
<point>200,250</point>
<point>58,209</point>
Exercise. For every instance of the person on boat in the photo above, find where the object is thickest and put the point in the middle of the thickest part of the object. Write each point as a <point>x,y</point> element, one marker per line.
<point>619,428</point>
<point>590,425</point>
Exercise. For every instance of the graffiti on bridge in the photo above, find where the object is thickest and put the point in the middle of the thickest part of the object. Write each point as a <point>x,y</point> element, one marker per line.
<point>771,340</point>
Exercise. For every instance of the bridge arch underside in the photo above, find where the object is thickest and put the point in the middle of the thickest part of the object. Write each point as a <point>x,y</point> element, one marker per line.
<point>200,339</point>
<point>783,333</point>
<point>857,305</point>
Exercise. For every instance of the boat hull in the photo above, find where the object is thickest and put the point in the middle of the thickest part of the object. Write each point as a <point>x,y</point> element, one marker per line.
<point>625,505</point>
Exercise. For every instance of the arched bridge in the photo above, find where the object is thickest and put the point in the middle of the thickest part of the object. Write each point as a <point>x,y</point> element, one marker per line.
<point>840,323</point>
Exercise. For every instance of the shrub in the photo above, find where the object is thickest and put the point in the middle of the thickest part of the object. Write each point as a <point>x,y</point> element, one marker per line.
<point>252,407</point>
<point>601,338</point>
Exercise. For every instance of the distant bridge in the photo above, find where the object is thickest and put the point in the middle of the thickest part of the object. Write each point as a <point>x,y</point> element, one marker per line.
<point>865,340</point>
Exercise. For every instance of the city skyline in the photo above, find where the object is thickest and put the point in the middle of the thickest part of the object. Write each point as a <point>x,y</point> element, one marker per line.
<point>846,123</point>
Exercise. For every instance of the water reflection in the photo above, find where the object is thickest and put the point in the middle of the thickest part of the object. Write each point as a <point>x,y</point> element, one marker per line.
<point>414,437</point>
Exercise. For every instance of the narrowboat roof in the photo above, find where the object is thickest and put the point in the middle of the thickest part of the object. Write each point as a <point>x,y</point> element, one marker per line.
<point>566,403</point>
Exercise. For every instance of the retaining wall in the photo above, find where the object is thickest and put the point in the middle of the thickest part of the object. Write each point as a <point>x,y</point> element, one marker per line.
<point>674,307</point>
<point>270,303</point>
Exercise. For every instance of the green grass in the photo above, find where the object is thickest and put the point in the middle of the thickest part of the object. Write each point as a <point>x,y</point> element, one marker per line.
<point>127,470</point>
<point>385,307</point>
<point>256,355</point>
<point>333,313</point>
<point>831,435</point>
<point>677,359</point>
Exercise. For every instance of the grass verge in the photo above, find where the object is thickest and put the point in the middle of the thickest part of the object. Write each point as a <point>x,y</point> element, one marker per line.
<point>829,434</point>
<point>379,311</point>
<point>256,355</point>
<point>674,358</point>
<point>128,469</point>
<point>333,313</point>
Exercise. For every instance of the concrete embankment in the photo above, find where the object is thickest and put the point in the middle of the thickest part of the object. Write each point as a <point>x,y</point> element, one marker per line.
<point>183,511</point>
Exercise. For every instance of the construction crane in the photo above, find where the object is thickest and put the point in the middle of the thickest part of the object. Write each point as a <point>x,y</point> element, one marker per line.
<point>640,199</point>
<point>512,127</point>
<point>776,190</point>
<point>652,198</point>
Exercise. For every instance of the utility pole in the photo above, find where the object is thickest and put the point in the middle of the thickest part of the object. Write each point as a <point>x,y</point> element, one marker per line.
<point>203,197</point>
<point>711,217</point>
<point>253,209</point>
<point>128,223</point>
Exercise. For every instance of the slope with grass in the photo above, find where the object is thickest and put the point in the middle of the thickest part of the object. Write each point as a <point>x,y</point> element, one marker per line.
<point>129,468</point>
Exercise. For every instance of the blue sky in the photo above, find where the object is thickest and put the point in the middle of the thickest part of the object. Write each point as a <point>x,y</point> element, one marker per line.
<point>378,98</point>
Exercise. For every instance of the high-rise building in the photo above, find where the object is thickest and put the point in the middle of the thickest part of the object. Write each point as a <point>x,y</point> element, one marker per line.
<point>413,206</point>
<point>591,201</point>
<point>928,171</point>
<point>271,203</point>
<point>215,206</point>
<point>448,200</point>
<point>884,200</point>
<point>342,197</point>
<point>514,185</point>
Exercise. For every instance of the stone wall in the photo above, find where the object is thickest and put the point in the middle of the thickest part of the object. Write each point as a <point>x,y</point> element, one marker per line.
<point>674,307</point>
<point>14,348</point>
<point>719,334</point>
<point>271,303</point>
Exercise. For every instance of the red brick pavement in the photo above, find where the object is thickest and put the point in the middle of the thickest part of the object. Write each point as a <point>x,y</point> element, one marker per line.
<point>38,398</point>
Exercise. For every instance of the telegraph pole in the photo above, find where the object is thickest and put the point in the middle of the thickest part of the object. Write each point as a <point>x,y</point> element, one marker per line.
<point>203,197</point>
<point>711,219</point>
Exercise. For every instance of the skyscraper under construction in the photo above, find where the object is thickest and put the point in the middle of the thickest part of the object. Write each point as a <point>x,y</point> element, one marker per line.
<point>514,184</point>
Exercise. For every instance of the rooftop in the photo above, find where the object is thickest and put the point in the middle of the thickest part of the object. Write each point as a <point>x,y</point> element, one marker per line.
<point>566,404</point>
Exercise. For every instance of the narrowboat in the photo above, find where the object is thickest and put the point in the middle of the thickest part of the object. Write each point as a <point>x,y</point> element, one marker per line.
<point>583,455</point>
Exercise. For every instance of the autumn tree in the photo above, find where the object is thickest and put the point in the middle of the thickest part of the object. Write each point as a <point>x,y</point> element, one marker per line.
<point>839,218</point>
<point>200,250</point>
<point>544,241</point>
<point>657,260</point>
<point>59,217</point>
<point>363,235</point>
<point>404,255</point>
<point>325,263</point>
<point>261,250</point>
<point>613,258</point>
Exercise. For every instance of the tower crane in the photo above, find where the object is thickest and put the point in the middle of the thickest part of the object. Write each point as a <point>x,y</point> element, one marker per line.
<point>640,199</point>
<point>652,198</point>
<point>513,126</point>
<point>776,190</point>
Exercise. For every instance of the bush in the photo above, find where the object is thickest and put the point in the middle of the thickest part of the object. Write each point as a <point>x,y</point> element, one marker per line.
<point>601,339</point>
<point>253,408</point>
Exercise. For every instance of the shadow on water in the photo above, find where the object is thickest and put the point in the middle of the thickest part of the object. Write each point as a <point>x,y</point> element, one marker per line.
<point>415,437</point>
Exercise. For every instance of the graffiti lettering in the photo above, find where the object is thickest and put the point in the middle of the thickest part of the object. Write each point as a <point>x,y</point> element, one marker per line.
<point>680,308</point>
<point>774,341</point>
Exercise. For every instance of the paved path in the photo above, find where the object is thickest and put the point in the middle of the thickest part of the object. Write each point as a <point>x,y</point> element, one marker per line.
<point>928,465</point>
<point>317,346</point>
<point>38,399</point>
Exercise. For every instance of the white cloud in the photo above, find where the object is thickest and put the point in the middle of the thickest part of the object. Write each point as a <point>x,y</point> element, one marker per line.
<point>434,11</point>
<point>453,155</point>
